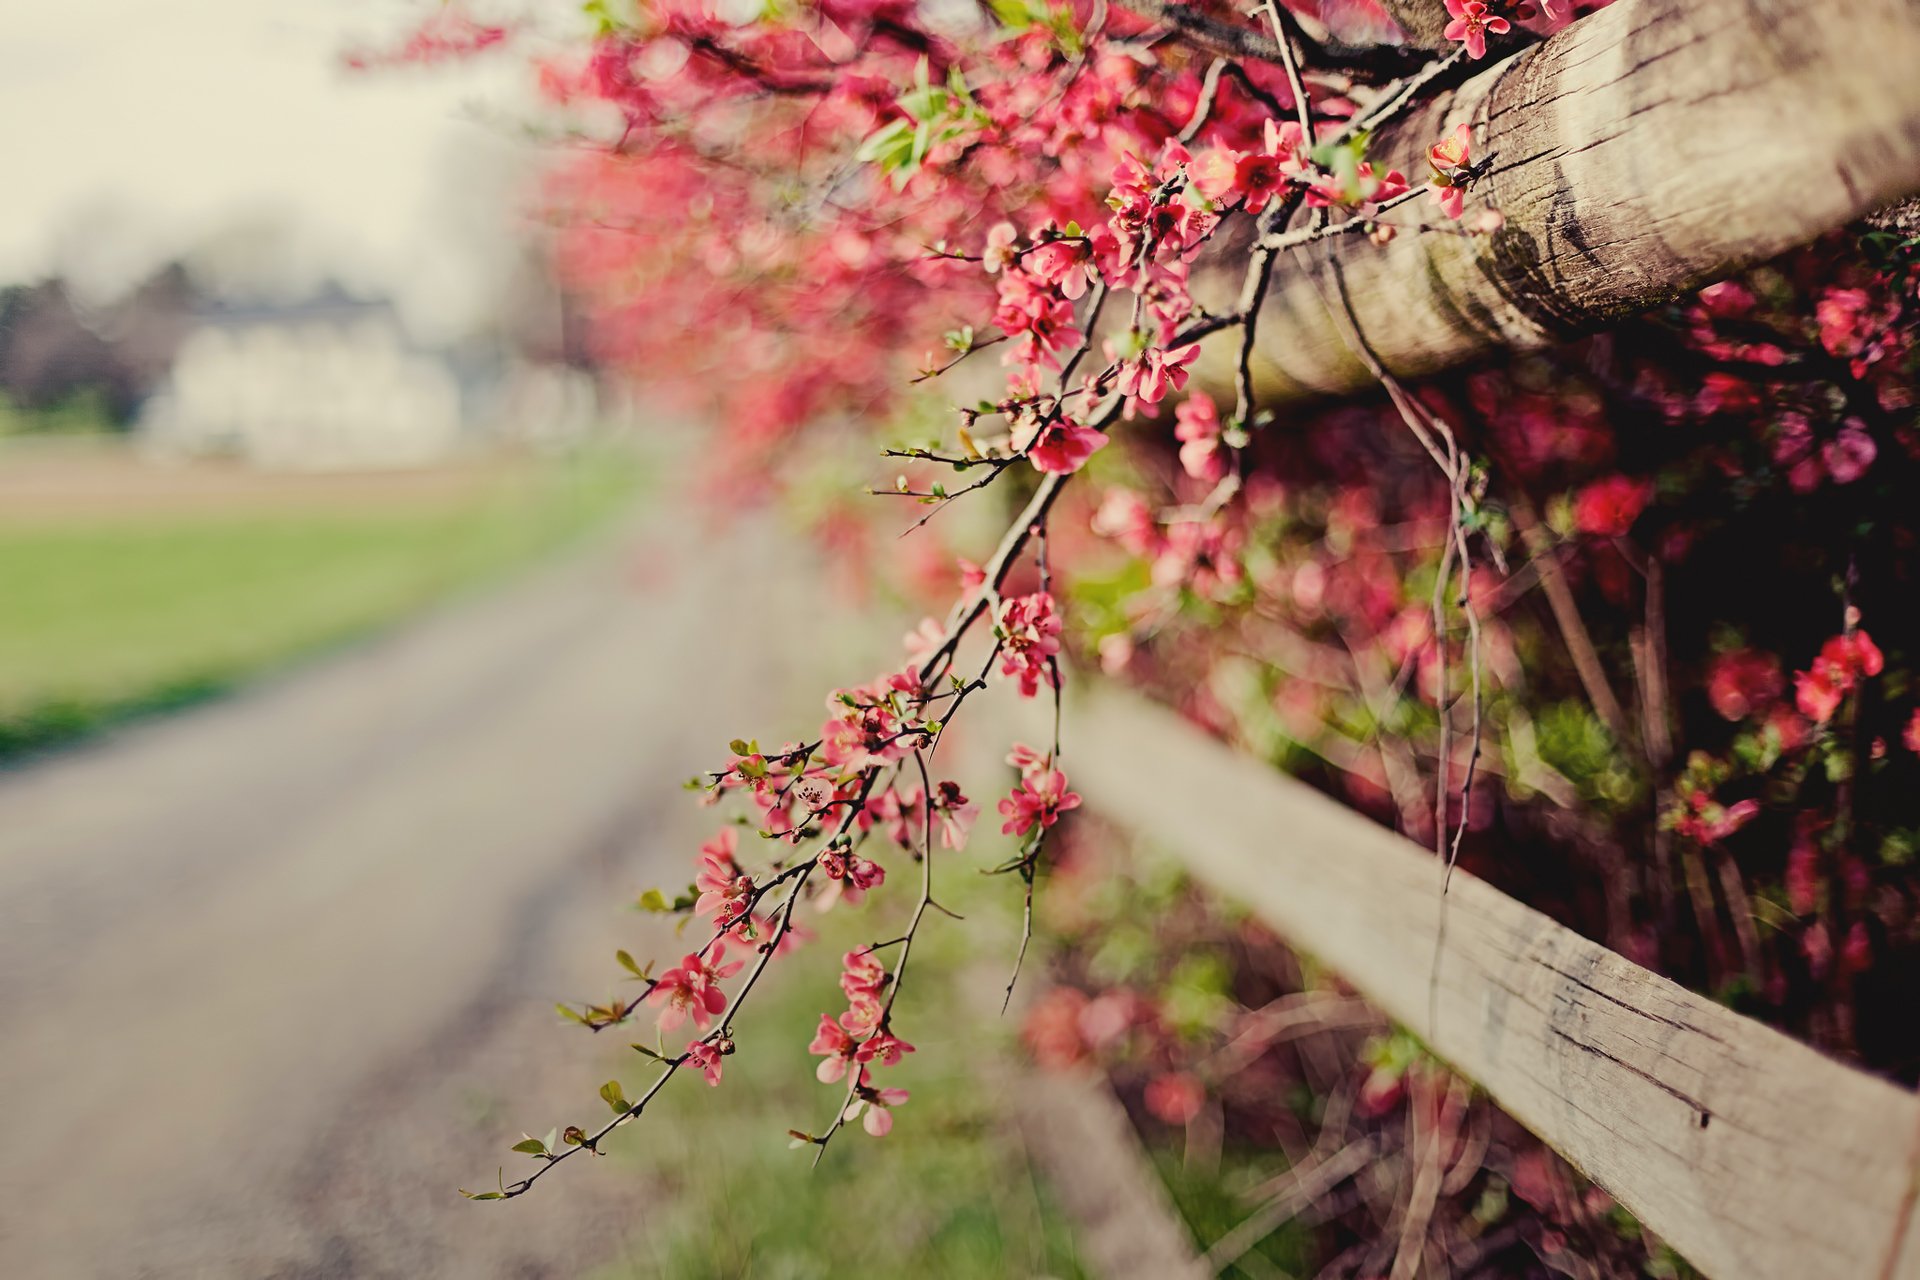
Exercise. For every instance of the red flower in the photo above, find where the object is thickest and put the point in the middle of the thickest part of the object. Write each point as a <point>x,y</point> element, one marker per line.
<point>1039,799</point>
<point>1060,446</point>
<point>1743,683</point>
<point>1472,24</point>
<point>1449,157</point>
<point>1175,1098</point>
<point>1030,641</point>
<point>1607,508</point>
<point>705,1058</point>
<point>693,990</point>
<point>1197,427</point>
<point>725,890</point>
<point>1819,690</point>
<point>839,1047</point>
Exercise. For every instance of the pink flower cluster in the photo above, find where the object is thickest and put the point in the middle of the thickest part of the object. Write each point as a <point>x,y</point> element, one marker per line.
<point>1029,635</point>
<point>1472,23</point>
<point>1843,660</point>
<point>692,988</point>
<point>726,892</point>
<point>849,876</point>
<point>872,725</point>
<point>1039,798</point>
<point>859,1039</point>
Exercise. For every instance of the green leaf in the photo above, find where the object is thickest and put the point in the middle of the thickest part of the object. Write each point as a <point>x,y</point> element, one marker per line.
<point>627,962</point>
<point>610,1092</point>
<point>532,1146</point>
<point>739,747</point>
<point>654,900</point>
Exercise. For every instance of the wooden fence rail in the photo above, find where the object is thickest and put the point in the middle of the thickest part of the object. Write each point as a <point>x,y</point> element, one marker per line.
<point>1644,151</point>
<point>1754,1155</point>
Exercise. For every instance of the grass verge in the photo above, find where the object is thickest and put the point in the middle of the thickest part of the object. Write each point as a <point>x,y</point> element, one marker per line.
<point>118,605</point>
<point>949,1193</point>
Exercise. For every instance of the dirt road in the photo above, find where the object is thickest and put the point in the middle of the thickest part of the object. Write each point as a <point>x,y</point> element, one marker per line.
<point>276,975</point>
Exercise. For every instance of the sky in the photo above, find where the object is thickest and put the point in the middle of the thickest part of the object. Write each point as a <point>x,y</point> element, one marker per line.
<point>133,130</point>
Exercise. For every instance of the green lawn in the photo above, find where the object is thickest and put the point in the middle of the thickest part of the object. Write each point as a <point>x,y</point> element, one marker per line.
<point>950,1193</point>
<point>118,606</point>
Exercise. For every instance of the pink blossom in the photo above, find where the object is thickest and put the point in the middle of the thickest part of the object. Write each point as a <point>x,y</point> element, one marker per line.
<point>692,989</point>
<point>1802,877</point>
<point>862,979</point>
<point>1367,190</point>
<point>705,1058</point>
<point>1471,25</point>
<point>1001,239</point>
<point>956,814</point>
<point>1607,508</point>
<point>1197,427</point>
<point>1175,1098</point>
<point>1743,683</point>
<point>1707,822</point>
<point>1125,517</point>
<point>1059,445</point>
<point>1062,264</point>
<point>883,1048</point>
<point>924,639</point>
<point>851,875</point>
<point>1254,177</point>
<point>877,1104</point>
<point>1819,690</point>
<point>1028,760</point>
<point>861,973</point>
<point>1029,641</point>
<point>1817,695</point>
<point>1849,453</point>
<point>1040,799</point>
<point>725,891</point>
<point>1910,737</point>
<point>1449,158</point>
<point>900,813</point>
<point>833,1041</point>
<point>1150,375</point>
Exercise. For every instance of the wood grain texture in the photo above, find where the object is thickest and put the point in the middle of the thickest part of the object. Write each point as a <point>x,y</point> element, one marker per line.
<point>1644,151</point>
<point>1752,1154</point>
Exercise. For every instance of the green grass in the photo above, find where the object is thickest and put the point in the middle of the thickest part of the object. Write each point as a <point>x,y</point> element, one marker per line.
<point>949,1193</point>
<point>120,614</point>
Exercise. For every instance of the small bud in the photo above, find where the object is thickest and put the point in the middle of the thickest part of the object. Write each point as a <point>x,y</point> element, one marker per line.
<point>1488,221</point>
<point>1382,233</point>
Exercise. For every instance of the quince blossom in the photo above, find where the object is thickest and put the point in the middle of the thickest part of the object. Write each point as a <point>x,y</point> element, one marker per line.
<point>1819,690</point>
<point>877,1104</point>
<point>725,890</point>
<point>1029,641</point>
<point>1057,444</point>
<point>1472,24</point>
<point>1197,427</point>
<point>1150,375</point>
<point>705,1058</point>
<point>1039,800</point>
<point>1450,158</point>
<point>692,990</point>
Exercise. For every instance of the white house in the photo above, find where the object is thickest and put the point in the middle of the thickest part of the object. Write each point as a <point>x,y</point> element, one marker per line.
<point>330,384</point>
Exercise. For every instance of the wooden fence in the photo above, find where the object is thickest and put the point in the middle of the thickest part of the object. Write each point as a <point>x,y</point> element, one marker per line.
<point>1754,1155</point>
